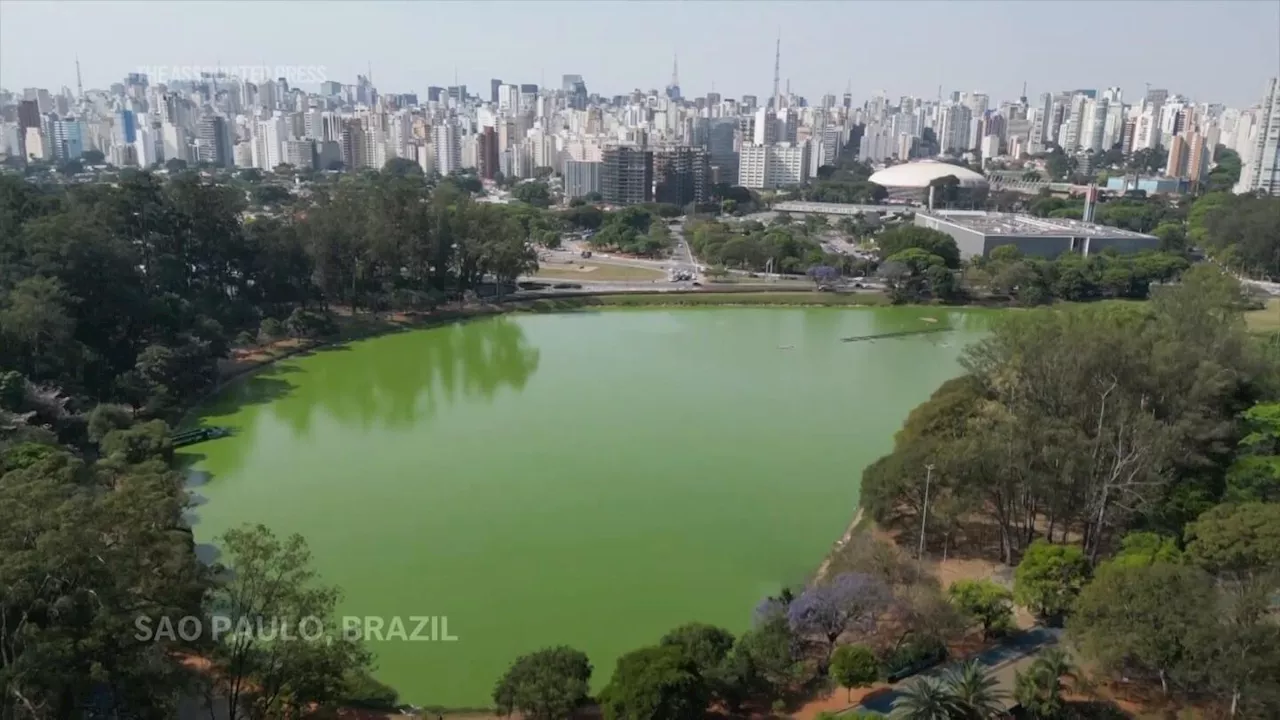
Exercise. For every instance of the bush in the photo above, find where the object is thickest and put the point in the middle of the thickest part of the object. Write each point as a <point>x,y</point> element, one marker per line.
<point>245,339</point>
<point>270,329</point>
<point>912,657</point>
<point>107,417</point>
<point>310,324</point>
<point>985,602</point>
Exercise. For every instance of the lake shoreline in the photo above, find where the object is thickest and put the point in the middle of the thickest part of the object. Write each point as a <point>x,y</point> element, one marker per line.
<point>362,326</point>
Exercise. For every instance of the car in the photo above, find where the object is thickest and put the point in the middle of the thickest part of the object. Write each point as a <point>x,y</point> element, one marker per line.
<point>697,284</point>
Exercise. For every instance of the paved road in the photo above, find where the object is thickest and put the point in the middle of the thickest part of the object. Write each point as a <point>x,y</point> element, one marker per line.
<point>682,256</point>
<point>1004,661</point>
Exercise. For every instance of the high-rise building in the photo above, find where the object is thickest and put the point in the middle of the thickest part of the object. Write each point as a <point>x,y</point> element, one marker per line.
<point>681,175</point>
<point>68,139</point>
<point>213,139</point>
<point>448,145</point>
<point>126,127</point>
<point>581,178</point>
<point>1198,158</point>
<point>765,127</point>
<point>575,92</point>
<point>487,153</point>
<point>626,175</point>
<point>1176,165</point>
<point>953,128</point>
<point>35,144</point>
<point>508,98</point>
<point>1262,168</point>
<point>28,114</point>
<point>494,84</point>
<point>764,167</point>
<point>268,142</point>
<point>721,137</point>
<point>351,142</point>
<point>301,154</point>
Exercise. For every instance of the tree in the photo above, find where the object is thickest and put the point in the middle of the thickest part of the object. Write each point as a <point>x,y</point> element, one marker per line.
<point>534,193</point>
<point>849,601</point>
<point>545,685</point>
<point>1142,620</point>
<point>89,555</point>
<point>769,652</point>
<point>989,604</point>
<point>1049,578</point>
<point>854,666</point>
<point>36,316</point>
<point>267,194</point>
<point>1039,689</point>
<point>822,274</point>
<point>175,165</point>
<point>706,645</point>
<point>655,682</point>
<point>1146,548</point>
<point>138,443</point>
<point>399,166</point>
<point>107,417</point>
<point>1226,172</point>
<point>925,699</point>
<point>894,241</point>
<point>975,691</point>
<point>1255,474</point>
<point>1236,539</point>
<point>265,578</point>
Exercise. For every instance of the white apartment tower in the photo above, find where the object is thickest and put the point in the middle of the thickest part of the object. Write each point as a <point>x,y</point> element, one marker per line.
<point>444,137</point>
<point>764,167</point>
<point>1262,168</point>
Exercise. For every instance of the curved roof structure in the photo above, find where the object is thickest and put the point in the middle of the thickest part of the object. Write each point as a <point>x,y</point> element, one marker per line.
<point>920,174</point>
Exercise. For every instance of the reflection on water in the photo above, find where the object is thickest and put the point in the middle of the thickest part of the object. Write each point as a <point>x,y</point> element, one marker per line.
<point>394,383</point>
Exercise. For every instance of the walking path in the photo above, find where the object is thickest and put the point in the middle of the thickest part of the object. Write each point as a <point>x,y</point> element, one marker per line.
<point>1003,661</point>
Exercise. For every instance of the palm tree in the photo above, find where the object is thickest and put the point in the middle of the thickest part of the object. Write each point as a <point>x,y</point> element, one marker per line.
<point>925,699</point>
<point>968,692</point>
<point>1039,690</point>
<point>976,691</point>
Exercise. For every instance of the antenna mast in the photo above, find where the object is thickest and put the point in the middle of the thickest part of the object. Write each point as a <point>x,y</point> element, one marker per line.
<point>777,66</point>
<point>675,70</point>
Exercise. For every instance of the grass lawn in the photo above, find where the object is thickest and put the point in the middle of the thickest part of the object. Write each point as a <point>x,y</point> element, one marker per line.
<point>1266,320</point>
<point>598,271</point>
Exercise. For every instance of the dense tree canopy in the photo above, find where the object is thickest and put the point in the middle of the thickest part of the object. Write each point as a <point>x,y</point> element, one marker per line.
<point>655,682</point>
<point>131,292</point>
<point>749,246</point>
<point>546,685</point>
<point>1134,426</point>
<point>1238,230</point>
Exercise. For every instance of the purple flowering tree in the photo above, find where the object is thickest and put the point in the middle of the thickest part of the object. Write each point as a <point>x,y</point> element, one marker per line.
<point>849,601</point>
<point>823,274</point>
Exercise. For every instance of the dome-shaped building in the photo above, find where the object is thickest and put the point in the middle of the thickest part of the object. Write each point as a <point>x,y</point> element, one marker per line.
<point>910,179</point>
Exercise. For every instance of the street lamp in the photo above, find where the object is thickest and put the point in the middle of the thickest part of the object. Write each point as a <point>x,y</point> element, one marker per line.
<point>924,514</point>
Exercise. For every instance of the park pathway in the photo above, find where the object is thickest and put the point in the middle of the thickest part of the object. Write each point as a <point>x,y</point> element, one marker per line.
<point>1004,661</point>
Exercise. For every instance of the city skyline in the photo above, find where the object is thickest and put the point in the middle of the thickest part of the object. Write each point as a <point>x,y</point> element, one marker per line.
<point>566,38</point>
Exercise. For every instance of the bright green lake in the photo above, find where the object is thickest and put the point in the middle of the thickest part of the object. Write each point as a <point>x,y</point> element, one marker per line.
<point>590,479</point>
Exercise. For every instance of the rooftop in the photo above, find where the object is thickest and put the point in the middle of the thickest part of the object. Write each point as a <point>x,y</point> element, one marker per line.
<point>993,223</point>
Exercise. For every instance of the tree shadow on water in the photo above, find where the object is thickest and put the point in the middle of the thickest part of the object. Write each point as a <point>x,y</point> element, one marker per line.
<point>258,389</point>
<point>408,381</point>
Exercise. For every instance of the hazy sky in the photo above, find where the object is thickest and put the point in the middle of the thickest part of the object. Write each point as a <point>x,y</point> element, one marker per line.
<point>1220,51</point>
